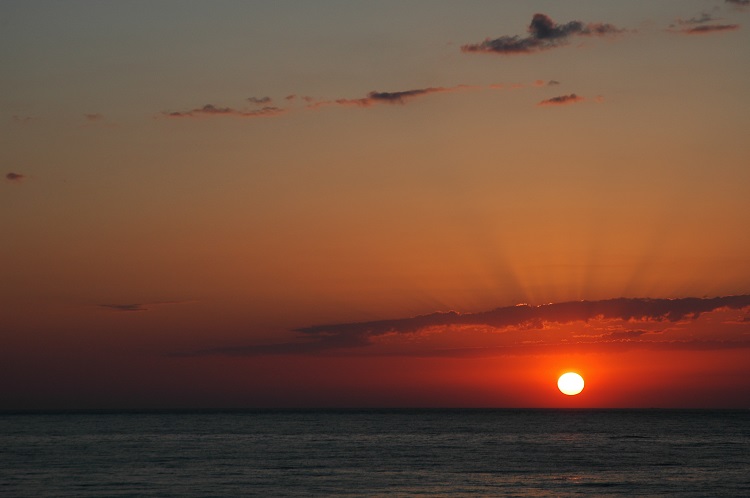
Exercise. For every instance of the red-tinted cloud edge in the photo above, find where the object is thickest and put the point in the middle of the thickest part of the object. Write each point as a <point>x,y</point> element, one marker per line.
<point>353,338</point>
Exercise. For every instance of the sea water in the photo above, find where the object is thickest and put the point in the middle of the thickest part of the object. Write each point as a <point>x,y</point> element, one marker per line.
<point>377,452</point>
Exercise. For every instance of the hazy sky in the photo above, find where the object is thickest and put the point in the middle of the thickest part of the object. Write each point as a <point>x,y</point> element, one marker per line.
<point>247,203</point>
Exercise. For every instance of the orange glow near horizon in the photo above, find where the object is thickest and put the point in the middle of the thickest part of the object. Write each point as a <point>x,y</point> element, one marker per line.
<point>367,239</point>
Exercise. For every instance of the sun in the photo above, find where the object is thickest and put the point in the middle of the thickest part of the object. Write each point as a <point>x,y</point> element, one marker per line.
<point>570,383</point>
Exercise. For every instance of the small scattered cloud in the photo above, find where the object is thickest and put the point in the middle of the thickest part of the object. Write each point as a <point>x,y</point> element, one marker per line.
<point>134,307</point>
<point>94,117</point>
<point>400,97</point>
<point>371,99</point>
<point>541,83</point>
<point>703,29</point>
<point>700,25</point>
<point>125,307</point>
<point>18,119</point>
<point>702,19</point>
<point>15,177</point>
<point>404,96</point>
<point>259,100</point>
<point>210,110</point>
<point>562,100</point>
<point>544,34</point>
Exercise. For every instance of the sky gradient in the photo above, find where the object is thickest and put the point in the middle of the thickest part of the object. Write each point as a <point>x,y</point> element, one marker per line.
<point>336,203</point>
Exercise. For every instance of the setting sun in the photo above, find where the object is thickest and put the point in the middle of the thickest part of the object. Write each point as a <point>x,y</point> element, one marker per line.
<point>570,383</point>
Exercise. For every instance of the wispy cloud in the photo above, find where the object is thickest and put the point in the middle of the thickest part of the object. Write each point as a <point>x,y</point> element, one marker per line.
<point>544,34</point>
<point>399,97</point>
<point>15,177</point>
<point>134,307</point>
<point>18,119</point>
<point>94,116</point>
<point>405,96</point>
<point>528,322</point>
<point>702,19</point>
<point>259,100</point>
<point>125,307</point>
<point>562,100</point>
<point>738,2</point>
<point>703,29</point>
<point>210,110</point>
<point>371,99</point>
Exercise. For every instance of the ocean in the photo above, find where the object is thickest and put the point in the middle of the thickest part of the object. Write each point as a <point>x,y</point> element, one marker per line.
<point>376,453</point>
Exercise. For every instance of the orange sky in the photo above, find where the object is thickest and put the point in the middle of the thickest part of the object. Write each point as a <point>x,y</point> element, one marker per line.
<point>248,204</point>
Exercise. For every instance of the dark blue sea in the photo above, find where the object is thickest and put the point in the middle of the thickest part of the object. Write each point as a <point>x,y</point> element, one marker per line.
<point>376,452</point>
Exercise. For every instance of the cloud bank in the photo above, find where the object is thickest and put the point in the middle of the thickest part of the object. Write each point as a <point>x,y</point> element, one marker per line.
<point>544,34</point>
<point>525,326</point>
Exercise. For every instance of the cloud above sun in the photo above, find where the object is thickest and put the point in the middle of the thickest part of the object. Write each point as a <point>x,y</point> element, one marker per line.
<point>622,323</point>
<point>544,34</point>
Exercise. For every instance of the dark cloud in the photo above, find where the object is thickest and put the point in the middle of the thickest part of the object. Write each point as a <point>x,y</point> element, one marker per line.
<point>15,177</point>
<point>562,100</point>
<point>707,28</point>
<point>259,100</point>
<point>328,339</point>
<point>624,334</point>
<point>544,34</point>
<point>94,117</point>
<point>672,310</point>
<point>209,110</point>
<point>376,97</point>
<point>738,2</point>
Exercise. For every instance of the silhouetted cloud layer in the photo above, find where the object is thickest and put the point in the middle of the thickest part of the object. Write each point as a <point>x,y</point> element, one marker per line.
<point>319,339</point>
<point>562,100</point>
<point>738,2</point>
<point>544,34</point>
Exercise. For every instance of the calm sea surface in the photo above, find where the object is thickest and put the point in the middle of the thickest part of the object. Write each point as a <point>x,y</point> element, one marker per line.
<point>393,452</point>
